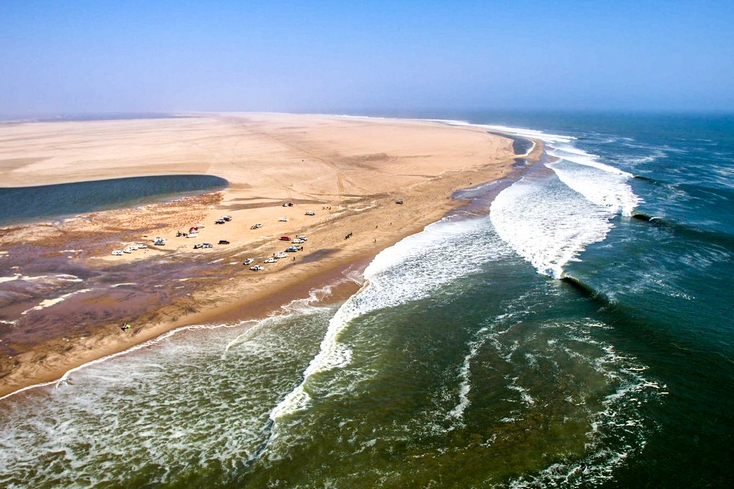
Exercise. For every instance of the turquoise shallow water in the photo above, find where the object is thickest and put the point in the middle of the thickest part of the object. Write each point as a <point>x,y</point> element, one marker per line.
<point>576,332</point>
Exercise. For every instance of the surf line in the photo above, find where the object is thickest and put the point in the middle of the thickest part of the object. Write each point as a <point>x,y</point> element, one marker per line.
<point>298,398</point>
<point>58,382</point>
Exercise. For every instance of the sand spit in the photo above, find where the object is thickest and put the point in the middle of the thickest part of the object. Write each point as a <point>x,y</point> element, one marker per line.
<point>349,172</point>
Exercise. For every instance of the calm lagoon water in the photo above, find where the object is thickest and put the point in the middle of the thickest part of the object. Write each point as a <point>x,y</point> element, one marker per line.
<point>28,204</point>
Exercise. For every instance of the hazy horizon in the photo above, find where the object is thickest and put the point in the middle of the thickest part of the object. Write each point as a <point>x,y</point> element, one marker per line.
<point>379,57</point>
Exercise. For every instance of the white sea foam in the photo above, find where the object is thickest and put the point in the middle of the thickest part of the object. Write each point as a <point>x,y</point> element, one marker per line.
<point>550,224</point>
<point>164,410</point>
<point>520,131</point>
<point>547,223</point>
<point>410,270</point>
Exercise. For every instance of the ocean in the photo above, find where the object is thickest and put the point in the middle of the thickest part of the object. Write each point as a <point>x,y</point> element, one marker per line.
<point>571,328</point>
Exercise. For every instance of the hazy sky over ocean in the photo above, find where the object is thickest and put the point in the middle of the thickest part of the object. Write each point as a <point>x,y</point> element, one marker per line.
<point>340,56</point>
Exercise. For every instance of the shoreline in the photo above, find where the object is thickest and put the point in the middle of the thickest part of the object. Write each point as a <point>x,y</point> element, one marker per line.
<point>428,199</point>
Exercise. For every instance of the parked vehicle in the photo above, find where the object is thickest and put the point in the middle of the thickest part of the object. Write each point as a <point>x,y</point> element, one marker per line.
<point>159,242</point>
<point>248,261</point>
<point>310,213</point>
<point>257,268</point>
<point>256,226</point>
<point>285,238</point>
<point>227,218</point>
<point>219,221</point>
<point>223,242</point>
<point>271,260</point>
<point>117,252</point>
<point>283,219</point>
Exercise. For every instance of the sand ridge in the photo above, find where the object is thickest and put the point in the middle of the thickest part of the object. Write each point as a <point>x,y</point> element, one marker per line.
<point>348,171</point>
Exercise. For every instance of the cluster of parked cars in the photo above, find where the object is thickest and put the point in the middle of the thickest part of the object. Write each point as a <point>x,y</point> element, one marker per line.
<point>282,254</point>
<point>223,219</point>
<point>129,249</point>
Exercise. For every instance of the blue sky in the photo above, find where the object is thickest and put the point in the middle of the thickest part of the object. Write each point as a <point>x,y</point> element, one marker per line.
<point>339,56</point>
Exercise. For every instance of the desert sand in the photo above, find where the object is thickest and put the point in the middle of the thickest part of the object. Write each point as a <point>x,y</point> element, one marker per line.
<point>348,171</point>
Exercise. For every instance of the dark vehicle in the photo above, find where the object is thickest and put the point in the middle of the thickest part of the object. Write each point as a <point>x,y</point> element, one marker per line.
<point>227,218</point>
<point>223,241</point>
<point>398,201</point>
<point>285,238</point>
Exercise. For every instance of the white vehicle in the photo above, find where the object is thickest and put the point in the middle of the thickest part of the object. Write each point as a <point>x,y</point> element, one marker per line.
<point>283,219</point>
<point>159,241</point>
<point>297,241</point>
<point>117,252</point>
<point>280,254</point>
<point>248,261</point>
<point>310,213</point>
<point>257,268</point>
<point>302,238</point>
<point>128,250</point>
<point>271,260</point>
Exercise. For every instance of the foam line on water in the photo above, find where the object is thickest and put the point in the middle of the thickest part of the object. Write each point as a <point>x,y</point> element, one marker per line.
<point>65,377</point>
<point>519,131</point>
<point>303,306</point>
<point>410,270</point>
<point>550,221</point>
<point>331,355</point>
<point>547,223</point>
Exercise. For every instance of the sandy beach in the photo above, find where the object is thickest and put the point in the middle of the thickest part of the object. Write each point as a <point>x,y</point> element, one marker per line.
<point>348,172</point>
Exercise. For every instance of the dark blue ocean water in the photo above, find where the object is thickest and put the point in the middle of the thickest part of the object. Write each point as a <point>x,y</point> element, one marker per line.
<point>28,204</point>
<point>577,333</point>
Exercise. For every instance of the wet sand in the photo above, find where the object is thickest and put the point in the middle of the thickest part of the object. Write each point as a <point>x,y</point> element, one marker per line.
<point>349,171</point>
